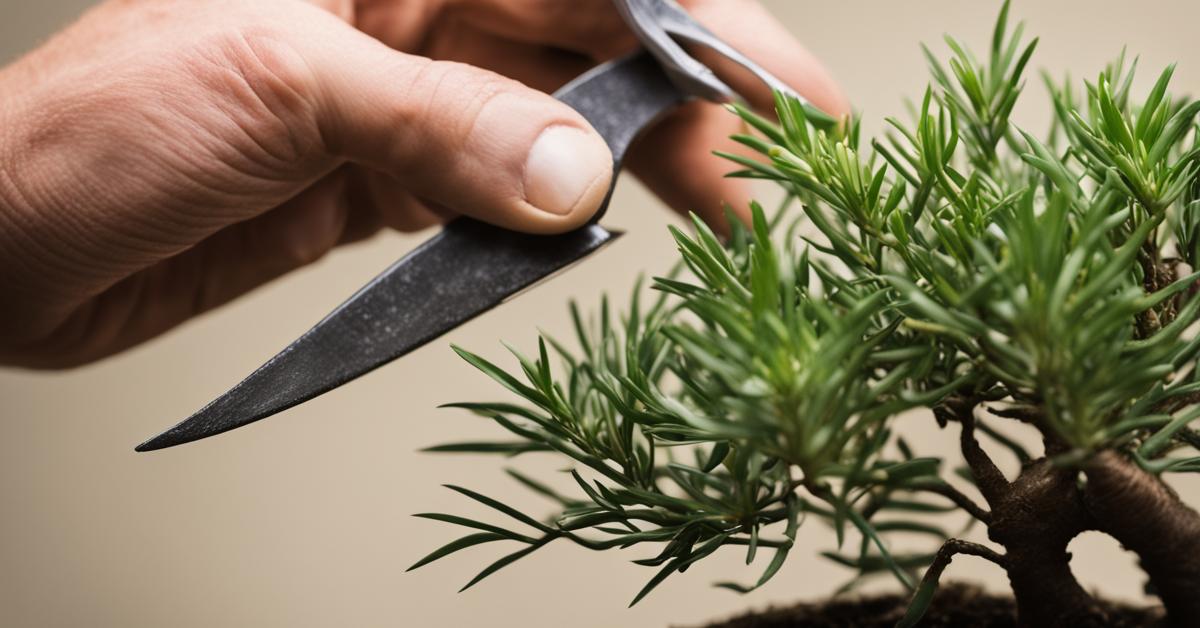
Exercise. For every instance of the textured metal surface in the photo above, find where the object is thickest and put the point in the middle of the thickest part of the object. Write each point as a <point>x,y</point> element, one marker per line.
<point>621,99</point>
<point>467,269</point>
<point>447,281</point>
<point>655,22</point>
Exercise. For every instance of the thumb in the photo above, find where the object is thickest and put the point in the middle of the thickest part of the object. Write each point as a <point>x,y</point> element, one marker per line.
<point>461,137</point>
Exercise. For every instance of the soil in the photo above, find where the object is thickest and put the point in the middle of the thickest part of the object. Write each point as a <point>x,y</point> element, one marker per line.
<point>954,605</point>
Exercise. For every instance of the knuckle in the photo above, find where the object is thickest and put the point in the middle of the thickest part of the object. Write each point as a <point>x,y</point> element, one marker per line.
<point>453,99</point>
<point>484,95</point>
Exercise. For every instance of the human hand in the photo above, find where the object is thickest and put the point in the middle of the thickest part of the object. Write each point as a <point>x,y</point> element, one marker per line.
<point>159,158</point>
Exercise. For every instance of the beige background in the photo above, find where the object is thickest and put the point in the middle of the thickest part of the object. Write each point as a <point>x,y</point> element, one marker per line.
<point>303,520</point>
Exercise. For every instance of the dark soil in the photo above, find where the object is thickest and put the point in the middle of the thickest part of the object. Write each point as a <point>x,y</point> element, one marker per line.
<point>954,605</point>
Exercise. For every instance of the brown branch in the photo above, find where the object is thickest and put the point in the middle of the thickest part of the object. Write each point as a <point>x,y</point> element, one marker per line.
<point>1157,274</point>
<point>1147,517</point>
<point>1032,415</point>
<point>988,478</point>
<point>1023,413</point>
<point>954,547</point>
<point>945,554</point>
<point>1035,416</point>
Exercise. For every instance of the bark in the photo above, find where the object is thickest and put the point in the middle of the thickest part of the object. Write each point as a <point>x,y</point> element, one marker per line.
<point>1149,519</point>
<point>1035,519</point>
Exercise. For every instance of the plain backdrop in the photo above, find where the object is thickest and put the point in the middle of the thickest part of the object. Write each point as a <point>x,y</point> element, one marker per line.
<point>304,520</point>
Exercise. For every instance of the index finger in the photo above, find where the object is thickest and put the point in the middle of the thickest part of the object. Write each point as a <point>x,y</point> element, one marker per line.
<point>588,27</point>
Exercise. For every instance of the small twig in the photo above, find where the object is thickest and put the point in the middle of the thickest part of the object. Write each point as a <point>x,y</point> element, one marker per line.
<point>1022,413</point>
<point>929,582</point>
<point>991,482</point>
<point>954,547</point>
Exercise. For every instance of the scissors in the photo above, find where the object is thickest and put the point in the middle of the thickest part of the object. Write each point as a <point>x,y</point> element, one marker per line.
<point>471,267</point>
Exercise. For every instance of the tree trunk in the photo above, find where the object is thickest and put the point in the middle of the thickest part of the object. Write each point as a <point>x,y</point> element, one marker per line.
<point>1035,519</point>
<point>1148,518</point>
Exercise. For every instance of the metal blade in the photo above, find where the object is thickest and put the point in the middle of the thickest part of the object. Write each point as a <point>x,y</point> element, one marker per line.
<point>467,269</point>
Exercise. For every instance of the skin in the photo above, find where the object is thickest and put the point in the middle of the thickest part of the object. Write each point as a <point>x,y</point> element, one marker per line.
<point>161,157</point>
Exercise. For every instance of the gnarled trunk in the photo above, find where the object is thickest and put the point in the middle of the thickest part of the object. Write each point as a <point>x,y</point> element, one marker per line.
<point>1035,518</point>
<point>1148,518</point>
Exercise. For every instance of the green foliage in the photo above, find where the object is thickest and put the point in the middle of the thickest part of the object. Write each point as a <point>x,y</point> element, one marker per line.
<point>955,257</point>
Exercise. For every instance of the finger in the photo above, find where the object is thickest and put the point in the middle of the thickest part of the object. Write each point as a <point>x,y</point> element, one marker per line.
<point>344,9</point>
<point>245,255</point>
<point>232,262</point>
<point>675,160</point>
<point>540,67</point>
<point>400,25</point>
<point>595,28</point>
<point>752,30</point>
<point>589,27</point>
<point>389,202</point>
<point>471,140</point>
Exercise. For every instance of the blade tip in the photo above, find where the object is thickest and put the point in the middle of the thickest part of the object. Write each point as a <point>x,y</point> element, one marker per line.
<point>169,438</point>
<point>150,445</point>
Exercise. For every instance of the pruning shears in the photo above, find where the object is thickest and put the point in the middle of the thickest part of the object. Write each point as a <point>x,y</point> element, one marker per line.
<point>471,267</point>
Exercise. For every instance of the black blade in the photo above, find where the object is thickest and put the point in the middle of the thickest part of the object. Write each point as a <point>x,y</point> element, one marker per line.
<point>467,269</point>
<point>464,271</point>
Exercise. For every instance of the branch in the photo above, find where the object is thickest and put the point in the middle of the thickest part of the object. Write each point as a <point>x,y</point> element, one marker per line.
<point>1052,443</point>
<point>929,582</point>
<point>988,478</point>
<point>954,547</point>
<point>1022,413</point>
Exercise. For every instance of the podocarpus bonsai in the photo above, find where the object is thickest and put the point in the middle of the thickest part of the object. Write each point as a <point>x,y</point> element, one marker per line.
<point>958,265</point>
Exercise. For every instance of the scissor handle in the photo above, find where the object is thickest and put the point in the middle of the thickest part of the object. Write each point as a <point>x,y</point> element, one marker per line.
<point>658,23</point>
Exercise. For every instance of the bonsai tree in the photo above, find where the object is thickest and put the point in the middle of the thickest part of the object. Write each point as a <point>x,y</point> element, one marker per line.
<point>957,265</point>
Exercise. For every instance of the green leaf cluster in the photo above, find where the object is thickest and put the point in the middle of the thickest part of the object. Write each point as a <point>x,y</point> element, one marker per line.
<point>957,256</point>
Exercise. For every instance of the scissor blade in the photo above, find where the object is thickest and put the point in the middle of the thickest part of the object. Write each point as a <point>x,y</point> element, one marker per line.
<point>467,269</point>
